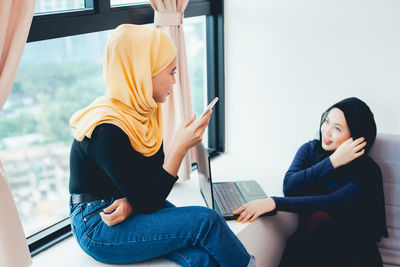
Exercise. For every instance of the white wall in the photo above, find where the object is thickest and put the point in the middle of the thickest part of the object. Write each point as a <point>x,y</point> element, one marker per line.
<point>287,61</point>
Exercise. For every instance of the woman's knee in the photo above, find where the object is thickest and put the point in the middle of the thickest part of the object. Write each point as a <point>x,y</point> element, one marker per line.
<point>205,220</point>
<point>207,214</point>
<point>316,225</point>
<point>318,219</point>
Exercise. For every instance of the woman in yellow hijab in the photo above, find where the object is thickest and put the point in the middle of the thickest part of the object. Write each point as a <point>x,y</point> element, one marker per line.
<point>119,175</point>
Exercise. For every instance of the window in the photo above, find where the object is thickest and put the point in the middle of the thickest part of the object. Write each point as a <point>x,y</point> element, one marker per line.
<point>45,6</point>
<point>194,29</point>
<point>126,2</point>
<point>195,38</point>
<point>61,72</point>
<point>56,78</point>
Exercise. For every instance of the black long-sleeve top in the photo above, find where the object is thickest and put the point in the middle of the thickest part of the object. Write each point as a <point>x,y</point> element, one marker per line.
<point>107,165</point>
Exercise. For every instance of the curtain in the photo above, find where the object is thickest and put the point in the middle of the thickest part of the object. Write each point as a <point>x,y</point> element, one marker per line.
<point>15,20</point>
<point>168,16</point>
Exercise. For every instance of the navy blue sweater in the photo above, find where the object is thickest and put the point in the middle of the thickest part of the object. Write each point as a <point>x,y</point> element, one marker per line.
<point>107,165</point>
<point>308,187</point>
<point>351,194</point>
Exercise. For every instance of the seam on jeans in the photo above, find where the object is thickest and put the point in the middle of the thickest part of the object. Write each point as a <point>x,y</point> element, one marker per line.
<point>133,241</point>
<point>183,257</point>
<point>83,222</point>
<point>75,212</point>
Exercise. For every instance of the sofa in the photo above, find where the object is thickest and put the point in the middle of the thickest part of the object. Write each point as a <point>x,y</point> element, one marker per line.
<point>386,152</point>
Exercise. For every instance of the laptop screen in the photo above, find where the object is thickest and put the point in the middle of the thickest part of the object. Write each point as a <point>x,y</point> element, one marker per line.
<point>204,171</point>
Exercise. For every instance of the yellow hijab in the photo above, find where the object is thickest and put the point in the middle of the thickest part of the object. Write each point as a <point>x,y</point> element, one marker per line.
<point>133,55</point>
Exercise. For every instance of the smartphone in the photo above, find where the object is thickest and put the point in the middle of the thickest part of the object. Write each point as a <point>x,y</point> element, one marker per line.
<point>210,106</point>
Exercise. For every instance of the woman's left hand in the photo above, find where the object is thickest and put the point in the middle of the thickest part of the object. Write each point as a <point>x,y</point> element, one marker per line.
<point>118,211</point>
<point>252,210</point>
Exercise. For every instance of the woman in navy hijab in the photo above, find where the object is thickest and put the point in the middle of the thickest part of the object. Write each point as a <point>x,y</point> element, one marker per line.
<point>337,190</point>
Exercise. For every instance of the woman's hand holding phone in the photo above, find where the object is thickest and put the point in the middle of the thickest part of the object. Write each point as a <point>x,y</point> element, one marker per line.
<point>195,130</point>
<point>191,132</point>
<point>188,135</point>
<point>348,151</point>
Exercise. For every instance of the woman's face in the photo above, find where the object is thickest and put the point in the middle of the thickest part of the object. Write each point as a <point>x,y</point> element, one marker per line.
<point>163,82</point>
<point>334,130</point>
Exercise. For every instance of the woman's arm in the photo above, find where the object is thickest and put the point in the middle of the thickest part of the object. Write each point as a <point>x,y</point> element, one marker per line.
<point>341,198</point>
<point>145,186</point>
<point>189,134</point>
<point>300,176</point>
<point>144,183</point>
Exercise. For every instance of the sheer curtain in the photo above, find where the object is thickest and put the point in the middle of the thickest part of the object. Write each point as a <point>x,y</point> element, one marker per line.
<point>168,16</point>
<point>15,21</point>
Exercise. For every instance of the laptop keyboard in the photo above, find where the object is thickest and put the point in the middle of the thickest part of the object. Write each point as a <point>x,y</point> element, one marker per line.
<point>228,197</point>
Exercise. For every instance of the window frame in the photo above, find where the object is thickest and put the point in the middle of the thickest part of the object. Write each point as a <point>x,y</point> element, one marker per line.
<point>99,15</point>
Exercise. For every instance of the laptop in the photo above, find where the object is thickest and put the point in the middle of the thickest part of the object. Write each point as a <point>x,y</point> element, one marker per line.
<point>224,197</point>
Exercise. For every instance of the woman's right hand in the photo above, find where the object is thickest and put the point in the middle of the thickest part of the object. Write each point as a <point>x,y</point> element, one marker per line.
<point>191,133</point>
<point>117,212</point>
<point>254,209</point>
<point>188,135</point>
<point>348,151</point>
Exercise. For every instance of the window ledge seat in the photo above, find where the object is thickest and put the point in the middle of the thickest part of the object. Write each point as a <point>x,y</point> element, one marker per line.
<point>265,238</point>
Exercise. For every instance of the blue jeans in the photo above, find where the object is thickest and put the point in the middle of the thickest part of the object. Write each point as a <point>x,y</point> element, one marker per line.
<point>189,236</point>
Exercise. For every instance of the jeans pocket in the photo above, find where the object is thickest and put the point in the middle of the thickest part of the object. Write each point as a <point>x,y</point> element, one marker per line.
<point>91,215</point>
<point>91,211</point>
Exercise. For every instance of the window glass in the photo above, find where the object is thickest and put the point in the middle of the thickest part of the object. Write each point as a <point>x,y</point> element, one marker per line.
<point>56,78</point>
<point>127,2</point>
<point>44,6</point>
<point>195,40</point>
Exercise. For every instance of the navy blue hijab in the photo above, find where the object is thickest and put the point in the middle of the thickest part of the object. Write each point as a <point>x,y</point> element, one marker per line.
<point>371,219</point>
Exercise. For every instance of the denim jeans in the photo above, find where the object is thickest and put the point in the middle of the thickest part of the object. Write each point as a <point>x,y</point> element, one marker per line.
<point>189,236</point>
